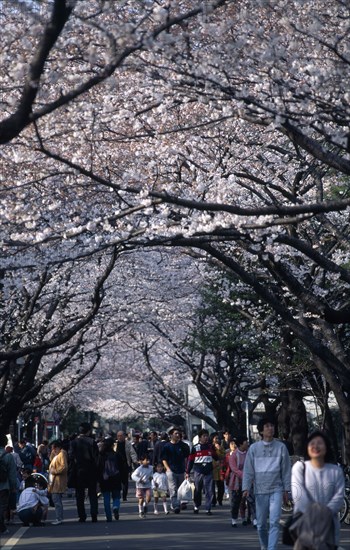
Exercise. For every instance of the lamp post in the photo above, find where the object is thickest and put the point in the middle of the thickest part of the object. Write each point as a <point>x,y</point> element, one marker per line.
<point>246,407</point>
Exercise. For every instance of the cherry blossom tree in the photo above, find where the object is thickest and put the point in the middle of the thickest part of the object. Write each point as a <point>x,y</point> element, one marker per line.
<point>217,126</point>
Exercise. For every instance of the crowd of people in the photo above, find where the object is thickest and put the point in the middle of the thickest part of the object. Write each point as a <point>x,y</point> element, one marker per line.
<point>257,478</point>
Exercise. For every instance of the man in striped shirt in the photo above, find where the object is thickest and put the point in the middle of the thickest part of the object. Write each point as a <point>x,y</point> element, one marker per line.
<point>201,461</point>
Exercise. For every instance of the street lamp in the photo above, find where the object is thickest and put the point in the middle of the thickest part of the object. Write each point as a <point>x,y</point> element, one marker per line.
<point>246,406</point>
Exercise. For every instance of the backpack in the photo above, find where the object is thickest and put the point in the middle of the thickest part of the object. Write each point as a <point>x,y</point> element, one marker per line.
<point>110,467</point>
<point>3,469</point>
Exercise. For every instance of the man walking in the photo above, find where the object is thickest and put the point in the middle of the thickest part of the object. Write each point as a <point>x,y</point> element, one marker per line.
<point>201,460</point>
<point>267,468</point>
<point>83,455</point>
<point>128,458</point>
<point>174,456</point>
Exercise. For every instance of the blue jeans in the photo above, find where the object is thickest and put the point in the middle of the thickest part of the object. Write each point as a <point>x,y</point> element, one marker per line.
<point>268,506</point>
<point>57,500</point>
<point>115,493</point>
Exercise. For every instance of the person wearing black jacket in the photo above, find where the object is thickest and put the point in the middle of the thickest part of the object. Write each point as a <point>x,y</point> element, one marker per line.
<point>109,477</point>
<point>83,458</point>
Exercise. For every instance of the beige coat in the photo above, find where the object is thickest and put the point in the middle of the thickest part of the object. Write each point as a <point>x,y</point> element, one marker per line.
<point>58,470</point>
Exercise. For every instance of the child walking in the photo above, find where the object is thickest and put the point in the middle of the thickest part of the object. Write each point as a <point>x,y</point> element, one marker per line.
<point>143,476</point>
<point>160,487</point>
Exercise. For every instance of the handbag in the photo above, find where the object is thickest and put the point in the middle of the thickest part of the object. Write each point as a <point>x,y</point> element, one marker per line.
<point>290,526</point>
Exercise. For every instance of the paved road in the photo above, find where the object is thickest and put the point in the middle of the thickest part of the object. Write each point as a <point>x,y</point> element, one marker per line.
<point>173,532</point>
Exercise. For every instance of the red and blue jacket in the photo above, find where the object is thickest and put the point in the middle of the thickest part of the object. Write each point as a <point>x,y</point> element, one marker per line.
<point>201,458</point>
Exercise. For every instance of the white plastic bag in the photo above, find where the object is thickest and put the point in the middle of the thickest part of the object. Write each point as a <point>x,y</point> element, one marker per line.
<point>184,492</point>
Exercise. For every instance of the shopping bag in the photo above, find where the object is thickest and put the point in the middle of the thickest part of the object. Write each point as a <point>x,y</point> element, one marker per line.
<point>184,492</point>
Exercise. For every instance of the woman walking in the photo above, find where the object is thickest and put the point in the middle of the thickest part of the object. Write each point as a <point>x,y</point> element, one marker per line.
<point>318,481</point>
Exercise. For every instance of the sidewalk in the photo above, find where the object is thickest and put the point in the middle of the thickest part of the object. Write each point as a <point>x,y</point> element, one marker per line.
<point>185,531</point>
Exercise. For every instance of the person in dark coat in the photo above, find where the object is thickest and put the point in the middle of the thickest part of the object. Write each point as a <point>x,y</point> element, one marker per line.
<point>83,458</point>
<point>109,469</point>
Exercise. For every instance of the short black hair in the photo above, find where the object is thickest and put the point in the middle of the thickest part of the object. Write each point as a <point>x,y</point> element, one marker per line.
<point>84,428</point>
<point>172,430</point>
<point>203,431</point>
<point>329,456</point>
<point>29,482</point>
<point>143,456</point>
<point>263,421</point>
<point>240,439</point>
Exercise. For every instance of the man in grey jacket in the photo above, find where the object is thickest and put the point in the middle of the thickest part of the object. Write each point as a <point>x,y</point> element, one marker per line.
<point>267,468</point>
<point>8,484</point>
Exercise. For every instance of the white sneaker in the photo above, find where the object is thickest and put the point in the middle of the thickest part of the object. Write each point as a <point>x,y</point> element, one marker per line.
<point>56,522</point>
<point>156,512</point>
<point>234,523</point>
<point>255,523</point>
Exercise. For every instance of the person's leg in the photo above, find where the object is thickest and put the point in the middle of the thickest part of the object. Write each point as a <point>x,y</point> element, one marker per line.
<point>116,502</point>
<point>165,505</point>
<point>148,496</point>
<point>235,502</point>
<point>125,483</point>
<point>208,488</point>
<point>26,516</point>
<point>198,487</point>
<point>172,489</point>
<point>107,504</point>
<point>37,515</point>
<point>57,500</point>
<point>275,516</point>
<point>92,494</point>
<point>79,498</point>
<point>141,504</point>
<point>221,490</point>
<point>214,501</point>
<point>4,501</point>
<point>262,511</point>
<point>179,478</point>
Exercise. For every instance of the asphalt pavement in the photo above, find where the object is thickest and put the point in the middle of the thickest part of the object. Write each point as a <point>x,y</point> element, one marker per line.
<point>185,531</point>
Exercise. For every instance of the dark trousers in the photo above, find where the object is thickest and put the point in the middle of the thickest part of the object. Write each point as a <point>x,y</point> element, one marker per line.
<point>4,501</point>
<point>201,482</point>
<point>31,515</point>
<point>80,498</point>
<point>124,478</point>
<point>236,498</point>
<point>220,485</point>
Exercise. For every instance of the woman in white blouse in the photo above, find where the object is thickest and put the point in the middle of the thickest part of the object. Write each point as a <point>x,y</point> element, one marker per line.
<point>318,480</point>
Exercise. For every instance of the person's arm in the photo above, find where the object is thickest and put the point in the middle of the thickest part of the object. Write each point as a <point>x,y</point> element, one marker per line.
<point>133,454</point>
<point>248,472</point>
<point>336,501</point>
<point>234,466</point>
<point>61,464</point>
<point>299,494</point>
<point>164,459</point>
<point>285,469</point>
<point>190,461</point>
<point>12,473</point>
<point>136,475</point>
